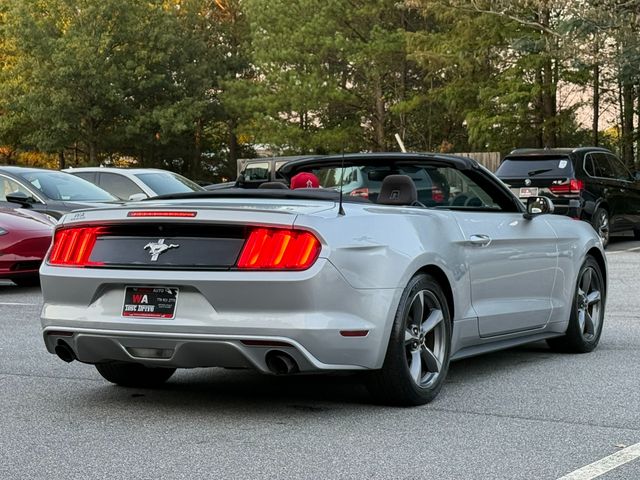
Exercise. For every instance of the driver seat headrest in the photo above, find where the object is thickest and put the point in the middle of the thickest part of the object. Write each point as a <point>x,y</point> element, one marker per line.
<point>398,190</point>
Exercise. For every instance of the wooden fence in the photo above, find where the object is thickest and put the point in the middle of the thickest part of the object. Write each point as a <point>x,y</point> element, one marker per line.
<point>491,160</point>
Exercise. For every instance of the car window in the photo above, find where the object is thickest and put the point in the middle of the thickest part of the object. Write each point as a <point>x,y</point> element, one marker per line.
<point>601,166</point>
<point>165,183</point>
<point>66,187</point>
<point>540,167</point>
<point>88,176</point>
<point>118,185</point>
<point>588,165</point>
<point>256,172</point>
<point>438,187</point>
<point>8,186</point>
<point>619,170</point>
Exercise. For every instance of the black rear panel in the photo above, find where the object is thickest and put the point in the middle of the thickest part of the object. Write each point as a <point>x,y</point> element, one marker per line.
<point>169,246</point>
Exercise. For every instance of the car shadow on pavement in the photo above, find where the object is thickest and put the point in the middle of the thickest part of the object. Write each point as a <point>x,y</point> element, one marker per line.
<point>235,390</point>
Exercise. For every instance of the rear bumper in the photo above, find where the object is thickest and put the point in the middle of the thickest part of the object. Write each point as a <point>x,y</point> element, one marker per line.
<point>220,316</point>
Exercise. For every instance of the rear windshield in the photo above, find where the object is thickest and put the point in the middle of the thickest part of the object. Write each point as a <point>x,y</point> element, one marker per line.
<point>524,167</point>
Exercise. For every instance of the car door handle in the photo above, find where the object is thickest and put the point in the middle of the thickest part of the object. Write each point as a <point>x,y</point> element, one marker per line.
<point>479,240</point>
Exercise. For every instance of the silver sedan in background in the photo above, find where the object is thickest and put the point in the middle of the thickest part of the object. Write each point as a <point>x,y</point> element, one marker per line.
<point>136,183</point>
<point>439,262</point>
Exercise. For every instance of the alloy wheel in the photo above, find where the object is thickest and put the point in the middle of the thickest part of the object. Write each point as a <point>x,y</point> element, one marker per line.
<point>425,338</point>
<point>589,303</point>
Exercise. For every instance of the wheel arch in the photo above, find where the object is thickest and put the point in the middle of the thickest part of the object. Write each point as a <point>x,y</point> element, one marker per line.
<point>602,263</point>
<point>602,203</point>
<point>442,279</point>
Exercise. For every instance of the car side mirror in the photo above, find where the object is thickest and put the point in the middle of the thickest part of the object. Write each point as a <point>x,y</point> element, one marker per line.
<point>538,206</point>
<point>20,198</point>
<point>136,197</point>
<point>240,181</point>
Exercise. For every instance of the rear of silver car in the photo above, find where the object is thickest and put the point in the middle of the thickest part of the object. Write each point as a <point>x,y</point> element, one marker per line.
<point>175,287</point>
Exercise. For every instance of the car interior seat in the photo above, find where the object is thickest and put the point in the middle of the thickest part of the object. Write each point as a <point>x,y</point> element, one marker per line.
<point>398,190</point>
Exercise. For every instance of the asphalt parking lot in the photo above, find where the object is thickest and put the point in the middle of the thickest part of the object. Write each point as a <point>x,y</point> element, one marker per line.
<point>524,413</point>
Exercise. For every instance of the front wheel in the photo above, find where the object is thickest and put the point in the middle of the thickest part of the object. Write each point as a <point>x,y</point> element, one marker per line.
<point>587,312</point>
<point>134,374</point>
<point>417,358</point>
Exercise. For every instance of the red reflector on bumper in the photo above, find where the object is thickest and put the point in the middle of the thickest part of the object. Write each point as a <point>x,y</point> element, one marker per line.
<point>354,333</point>
<point>59,333</point>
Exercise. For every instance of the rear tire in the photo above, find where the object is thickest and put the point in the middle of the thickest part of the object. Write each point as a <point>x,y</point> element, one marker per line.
<point>587,312</point>
<point>601,225</point>
<point>417,358</point>
<point>27,281</point>
<point>134,374</point>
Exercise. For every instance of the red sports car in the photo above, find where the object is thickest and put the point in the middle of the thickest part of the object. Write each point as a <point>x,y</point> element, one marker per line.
<point>25,237</point>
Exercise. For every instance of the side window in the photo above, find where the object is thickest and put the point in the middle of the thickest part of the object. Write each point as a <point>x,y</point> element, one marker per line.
<point>601,166</point>
<point>8,186</point>
<point>118,185</point>
<point>256,172</point>
<point>619,170</point>
<point>588,165</point>
<point>465,193</point>
<point>88,176</point>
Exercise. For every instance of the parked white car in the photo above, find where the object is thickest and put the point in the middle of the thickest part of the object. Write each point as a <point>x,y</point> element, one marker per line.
<point>136,183</point>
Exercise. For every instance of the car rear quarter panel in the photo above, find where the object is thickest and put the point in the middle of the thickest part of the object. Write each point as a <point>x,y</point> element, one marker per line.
<point>383,247</point>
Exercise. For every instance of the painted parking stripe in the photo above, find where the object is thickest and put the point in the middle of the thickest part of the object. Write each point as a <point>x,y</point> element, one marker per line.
<point>20,304</point>
<point>625,250</point>
<point>605,465</point>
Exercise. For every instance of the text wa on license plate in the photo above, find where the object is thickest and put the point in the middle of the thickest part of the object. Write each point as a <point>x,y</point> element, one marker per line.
<point>528,192</point>
<point>150,302</point>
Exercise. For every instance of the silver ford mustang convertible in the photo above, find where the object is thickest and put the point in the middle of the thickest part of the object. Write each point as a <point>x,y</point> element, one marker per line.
<point>397,265</point>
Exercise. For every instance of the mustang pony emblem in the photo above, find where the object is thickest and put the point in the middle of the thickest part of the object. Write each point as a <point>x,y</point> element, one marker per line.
<point>158,247</point>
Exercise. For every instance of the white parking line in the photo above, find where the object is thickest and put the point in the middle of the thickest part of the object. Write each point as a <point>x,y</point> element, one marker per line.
<point>20,304</point>
<point>605,465</point>
<point>625,250</point>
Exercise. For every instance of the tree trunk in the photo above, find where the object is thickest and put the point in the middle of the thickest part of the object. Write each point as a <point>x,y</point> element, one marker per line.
<point>539,111</point>
<point>61,163</point>
<point>233,144</point>
<point>627,125</point>
<point>379,116</point>
<point>93,153</point>
<point>195,161</point>
<point>596,103</point>
<point>549,124</point>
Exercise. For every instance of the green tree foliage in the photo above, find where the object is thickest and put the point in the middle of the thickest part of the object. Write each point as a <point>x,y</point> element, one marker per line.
<point>192,85</point>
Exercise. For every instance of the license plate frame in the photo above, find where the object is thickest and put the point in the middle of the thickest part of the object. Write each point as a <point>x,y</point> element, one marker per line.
<point>150,302</point>
<point>526,192</point>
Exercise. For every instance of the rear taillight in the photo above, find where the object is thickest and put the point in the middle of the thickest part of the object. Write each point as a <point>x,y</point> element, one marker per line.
<point>72,246</point>
<point>279,249</point>
<point>573,186</point>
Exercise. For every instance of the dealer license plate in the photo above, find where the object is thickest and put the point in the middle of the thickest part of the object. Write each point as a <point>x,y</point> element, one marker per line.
<point>150,302</point>
<point>528,192</point>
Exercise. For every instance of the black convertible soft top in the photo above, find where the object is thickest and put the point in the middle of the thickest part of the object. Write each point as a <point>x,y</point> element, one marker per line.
<point>309,163</point>
<point>289,169</point>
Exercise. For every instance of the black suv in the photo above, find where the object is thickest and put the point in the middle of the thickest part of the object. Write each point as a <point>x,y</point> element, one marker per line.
<point>588,183</point>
